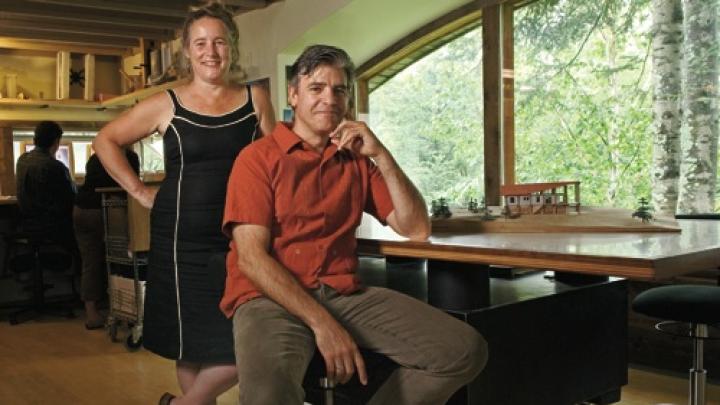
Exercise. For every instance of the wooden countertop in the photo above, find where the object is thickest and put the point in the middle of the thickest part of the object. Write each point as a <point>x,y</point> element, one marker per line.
<point>8,200</point>
<point>643,256</point>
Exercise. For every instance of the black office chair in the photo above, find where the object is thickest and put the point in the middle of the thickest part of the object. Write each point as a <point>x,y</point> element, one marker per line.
<point>33,256</point>
<point>8,228</point>
<point>695,305</point>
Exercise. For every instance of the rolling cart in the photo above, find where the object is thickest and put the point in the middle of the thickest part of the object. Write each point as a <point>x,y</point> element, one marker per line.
<point>126,245</point>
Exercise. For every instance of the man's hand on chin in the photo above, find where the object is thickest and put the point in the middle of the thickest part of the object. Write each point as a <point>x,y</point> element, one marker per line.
<point>356,136</point>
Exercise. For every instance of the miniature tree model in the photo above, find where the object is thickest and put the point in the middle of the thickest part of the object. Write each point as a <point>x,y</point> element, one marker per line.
<point>440,209</point>
<point>444,209</point>
<point>473,206</point>
<point>485,212</point>
<point>643,211</point>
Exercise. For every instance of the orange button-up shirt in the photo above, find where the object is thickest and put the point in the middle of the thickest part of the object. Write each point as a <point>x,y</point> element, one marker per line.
<point>312,204</point>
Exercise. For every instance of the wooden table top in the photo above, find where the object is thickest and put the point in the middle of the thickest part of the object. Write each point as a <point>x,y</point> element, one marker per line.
<point>643,256</point>
<point>8,200</point>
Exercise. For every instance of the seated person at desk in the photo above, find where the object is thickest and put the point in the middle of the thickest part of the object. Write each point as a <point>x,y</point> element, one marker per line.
<point>89,231</point>
<point>45,190</point>
<point>294,201</point>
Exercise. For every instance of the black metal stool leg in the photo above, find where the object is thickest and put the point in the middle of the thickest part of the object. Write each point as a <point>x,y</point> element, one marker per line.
<point>698,374</point>
<point>38,305</point>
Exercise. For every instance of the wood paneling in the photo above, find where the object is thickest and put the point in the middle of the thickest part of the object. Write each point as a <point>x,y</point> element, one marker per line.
<point>492,102</point>
<point>436,29</point>
<point>363,98</point>
<point>62,76</point>
<point>100,23</point>
<point>89,92</point>
<point>508,95</point>
<point>7,169</point>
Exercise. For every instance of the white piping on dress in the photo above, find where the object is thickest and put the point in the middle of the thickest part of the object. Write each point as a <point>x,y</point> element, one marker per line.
<point>257,124</point>
<point>206,114</point>
<point>175,240</point>
<point>216,126</point>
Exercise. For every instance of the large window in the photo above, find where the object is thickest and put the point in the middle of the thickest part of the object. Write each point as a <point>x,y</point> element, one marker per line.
<point>79,145</point>
<point>583,97</point>
<point>430,118</point>
<point>584,104</point>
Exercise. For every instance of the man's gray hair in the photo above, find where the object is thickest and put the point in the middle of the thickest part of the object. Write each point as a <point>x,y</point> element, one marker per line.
<point>318,55</point>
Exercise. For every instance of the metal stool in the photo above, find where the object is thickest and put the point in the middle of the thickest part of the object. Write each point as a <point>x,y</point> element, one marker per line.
<point>328,387</point>
<point>320,390</point>
<point>41,255</point>
<point>697,305</point>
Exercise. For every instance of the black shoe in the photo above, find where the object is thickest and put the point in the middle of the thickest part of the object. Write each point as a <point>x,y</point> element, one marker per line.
<point>166,398</point>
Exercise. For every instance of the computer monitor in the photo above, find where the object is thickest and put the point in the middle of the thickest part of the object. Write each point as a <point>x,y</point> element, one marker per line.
<point>63,154</point>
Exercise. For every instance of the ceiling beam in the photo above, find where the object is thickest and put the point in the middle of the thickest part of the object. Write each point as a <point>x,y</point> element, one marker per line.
<point>248,4</point>
<point>96,40</point>
<point>50,26</point>
<point>165,10</point>
<point>17,8</point>
<point>53,47</point>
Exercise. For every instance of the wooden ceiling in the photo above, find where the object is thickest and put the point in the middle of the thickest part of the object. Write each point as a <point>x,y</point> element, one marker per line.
<point>100,23</point>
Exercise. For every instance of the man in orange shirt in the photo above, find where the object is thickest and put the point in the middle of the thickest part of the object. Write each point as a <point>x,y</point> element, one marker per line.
<point>294,201</point>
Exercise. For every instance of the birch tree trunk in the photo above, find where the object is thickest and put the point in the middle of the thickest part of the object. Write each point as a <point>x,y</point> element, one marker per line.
<point>666,78</point>
<point>612,126</point>
<point>698,169</point>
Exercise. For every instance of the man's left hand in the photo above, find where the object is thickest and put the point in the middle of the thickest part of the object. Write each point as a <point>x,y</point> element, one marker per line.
<point>357,137</point>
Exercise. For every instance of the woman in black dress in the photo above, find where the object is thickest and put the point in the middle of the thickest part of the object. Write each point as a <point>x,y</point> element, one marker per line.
<point>205,123</point>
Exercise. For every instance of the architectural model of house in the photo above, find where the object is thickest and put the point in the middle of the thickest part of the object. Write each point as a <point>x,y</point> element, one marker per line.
<point>541,198</point>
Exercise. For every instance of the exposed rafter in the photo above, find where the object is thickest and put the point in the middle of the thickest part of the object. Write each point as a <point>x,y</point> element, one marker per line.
<point>101,23</point>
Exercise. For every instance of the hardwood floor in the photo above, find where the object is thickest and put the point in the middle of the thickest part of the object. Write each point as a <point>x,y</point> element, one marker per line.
<point>56,361</point>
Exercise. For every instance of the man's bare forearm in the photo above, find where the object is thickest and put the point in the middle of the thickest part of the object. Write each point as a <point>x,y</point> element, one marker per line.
<point>410,209</point>
<point>276,282</point>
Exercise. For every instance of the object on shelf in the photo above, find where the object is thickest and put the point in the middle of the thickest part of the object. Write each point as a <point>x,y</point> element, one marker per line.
<point>440,208</point>
<point>473,205</point>
<point>485,213</point>
<point>167,76</point>
<point>644,211</point>
<point>105,96</point>
<point>11,85</point>
<point>541,198</point>
<point>132,82</point>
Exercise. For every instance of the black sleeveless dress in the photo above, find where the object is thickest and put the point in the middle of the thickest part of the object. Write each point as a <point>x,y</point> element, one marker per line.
<point>186,273</point>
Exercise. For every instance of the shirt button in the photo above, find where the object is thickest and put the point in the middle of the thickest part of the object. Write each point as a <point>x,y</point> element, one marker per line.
<point>334,252</point>
<point>297,251</point>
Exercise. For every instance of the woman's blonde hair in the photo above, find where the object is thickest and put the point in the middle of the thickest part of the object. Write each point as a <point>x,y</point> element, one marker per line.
<point>212,9</point>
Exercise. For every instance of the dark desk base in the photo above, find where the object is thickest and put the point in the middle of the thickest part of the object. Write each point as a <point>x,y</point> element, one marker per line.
<point>551,343</point>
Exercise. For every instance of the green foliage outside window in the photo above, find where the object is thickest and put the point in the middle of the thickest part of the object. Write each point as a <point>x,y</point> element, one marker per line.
<point>583,97</point>
<point>430,117</point>
<point>583,105</point>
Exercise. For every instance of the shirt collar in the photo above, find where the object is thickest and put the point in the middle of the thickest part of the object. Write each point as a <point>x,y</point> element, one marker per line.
<point>287,139</point>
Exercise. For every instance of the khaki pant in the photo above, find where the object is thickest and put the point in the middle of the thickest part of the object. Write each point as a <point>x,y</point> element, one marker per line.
<point>437,353</point>
<point>90,235</point>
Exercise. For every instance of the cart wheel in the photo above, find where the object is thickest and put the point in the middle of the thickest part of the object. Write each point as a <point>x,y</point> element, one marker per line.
<point>132,344</point>
<point>113,331</point>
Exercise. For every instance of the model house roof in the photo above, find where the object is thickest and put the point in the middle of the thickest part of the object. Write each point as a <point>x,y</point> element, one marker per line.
<point>529,188</point>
